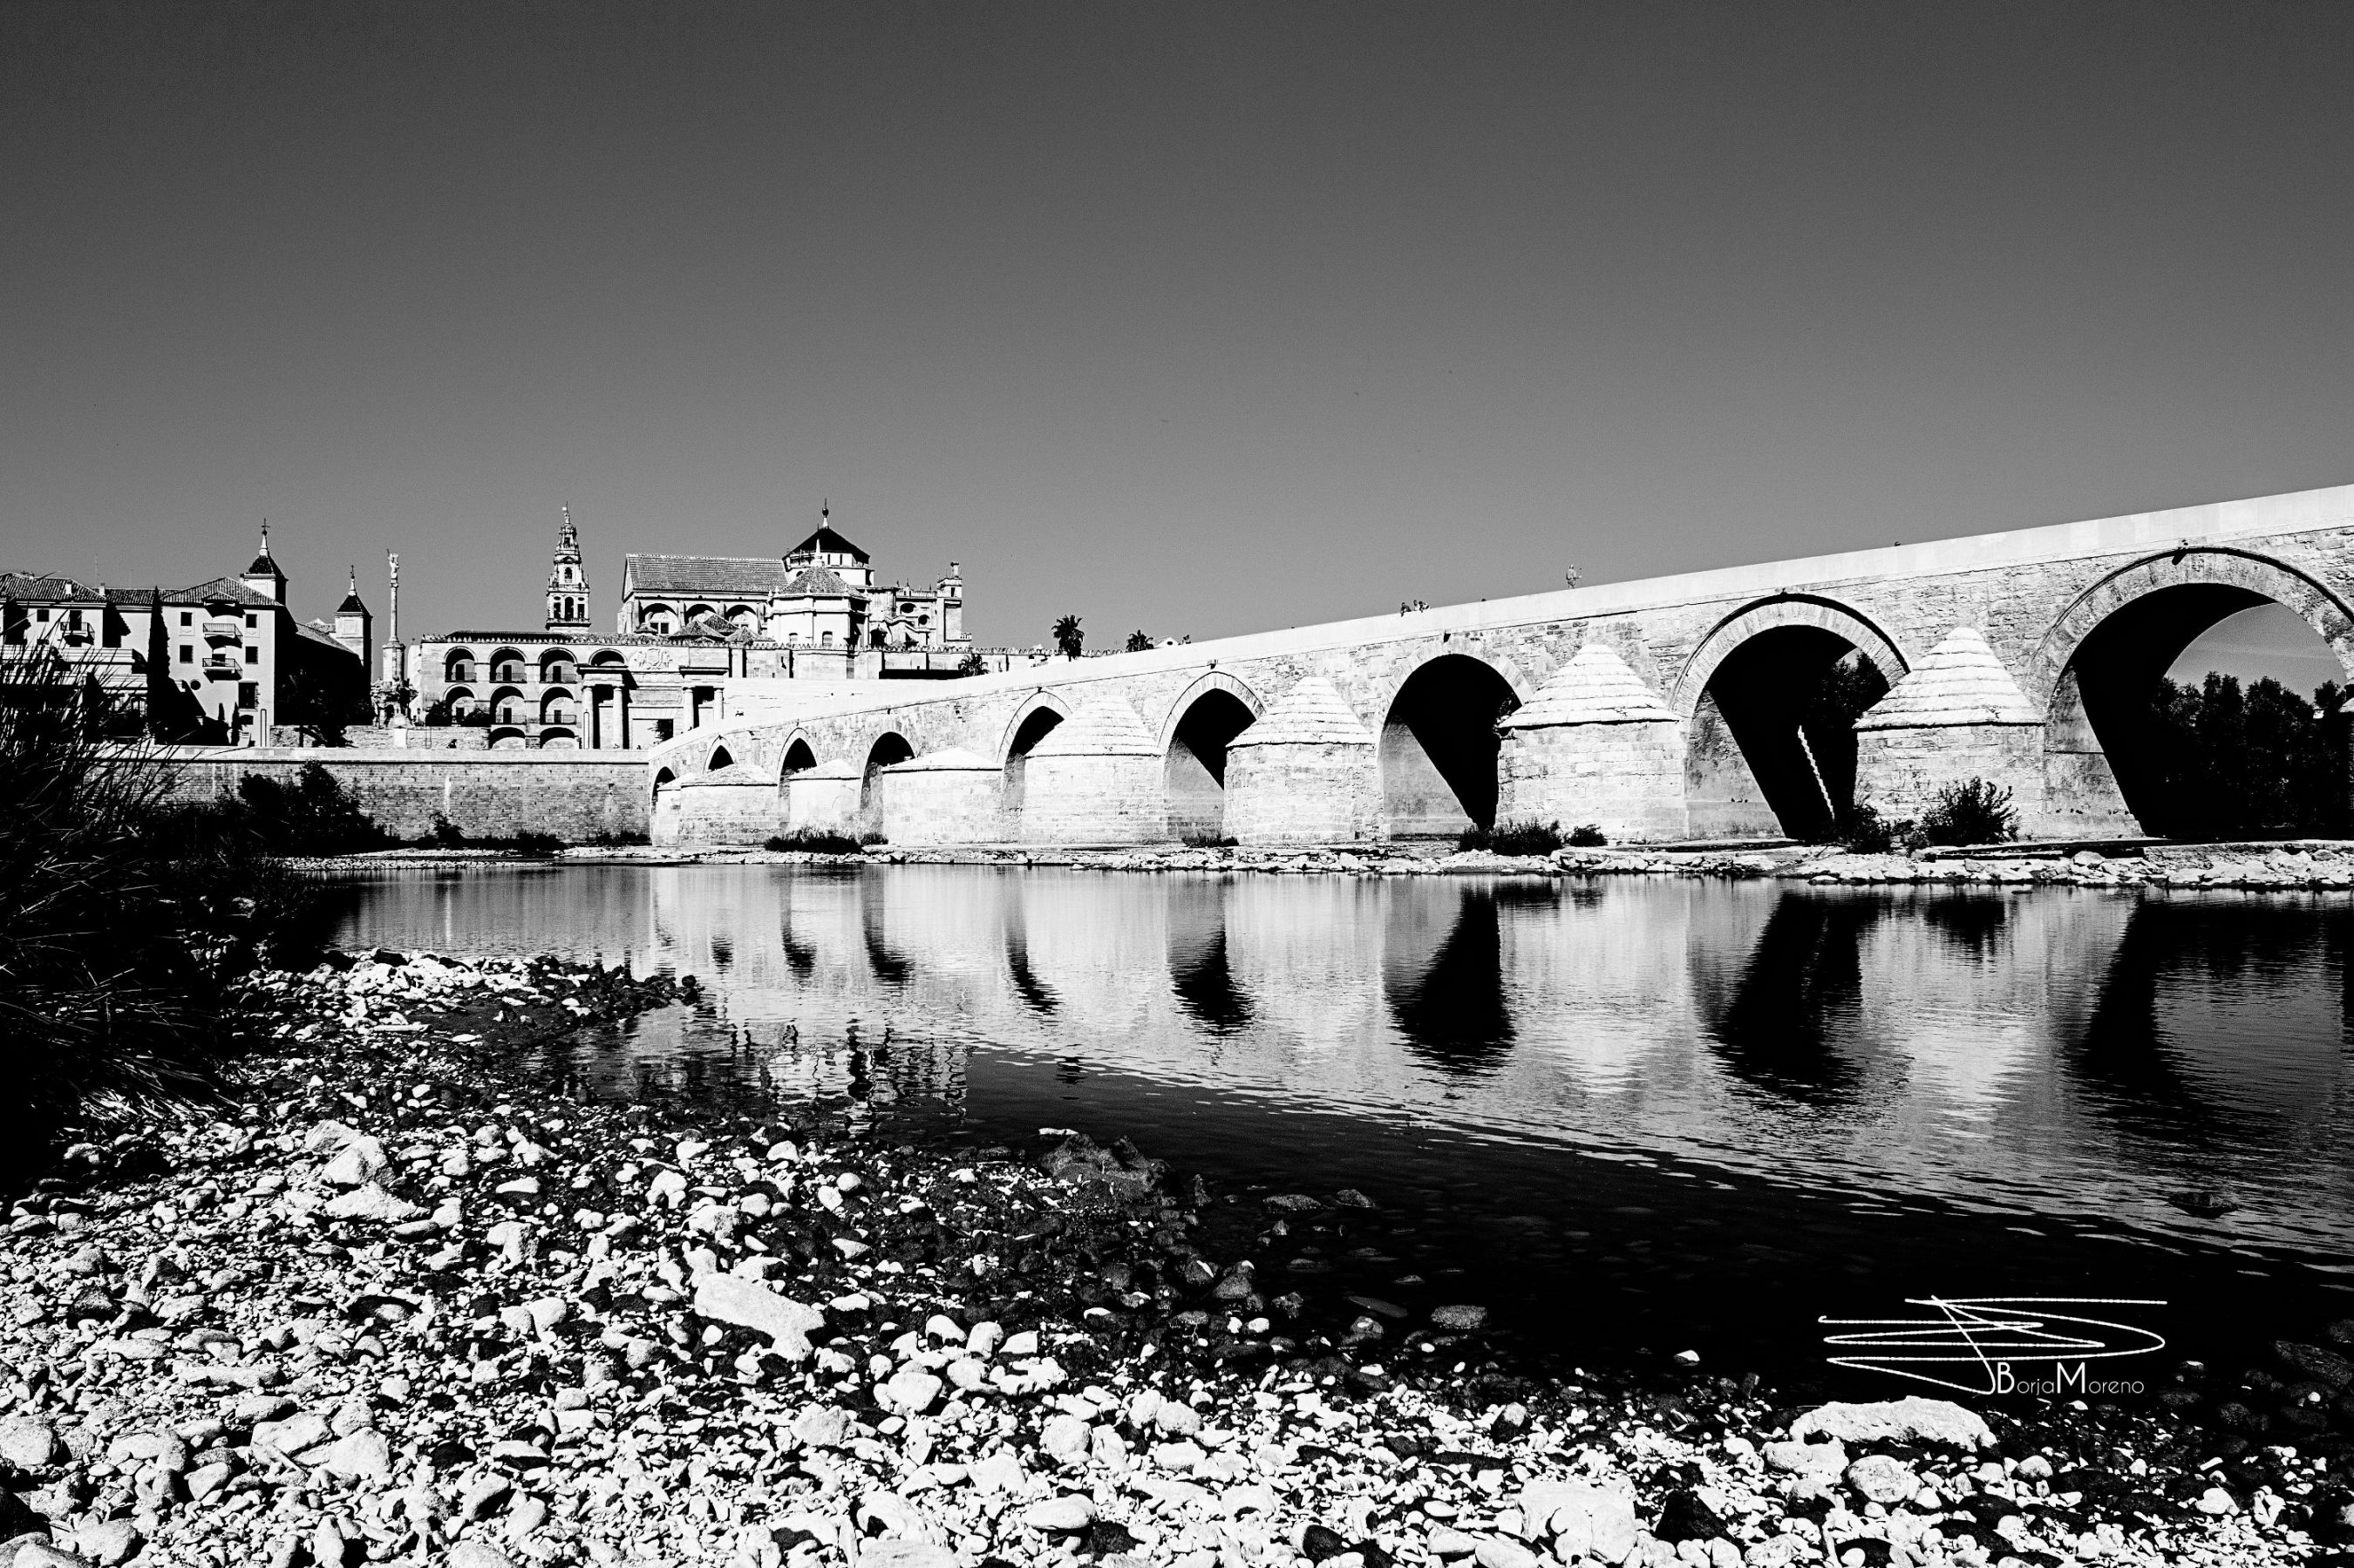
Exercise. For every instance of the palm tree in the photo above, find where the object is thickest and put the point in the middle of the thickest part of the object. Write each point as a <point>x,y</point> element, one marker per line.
<point>1137,642</point>
<point>1069,637</point>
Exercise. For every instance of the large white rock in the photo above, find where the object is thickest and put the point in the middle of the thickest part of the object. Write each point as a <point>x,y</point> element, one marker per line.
<point>1911,1419</point>
<point>748,1304</point>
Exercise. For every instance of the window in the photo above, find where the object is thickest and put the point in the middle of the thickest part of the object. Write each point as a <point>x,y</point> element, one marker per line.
<point>247,694</point>
<point>251,619</point>
<point>41,615</point>
<point>252,655</point>
<point>187,655</point>
<point>825,638</point>
<point>188,617</point>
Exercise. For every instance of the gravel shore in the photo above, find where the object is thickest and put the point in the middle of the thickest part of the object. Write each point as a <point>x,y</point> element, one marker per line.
<point>405,1297</point>
<point>2308,865</point>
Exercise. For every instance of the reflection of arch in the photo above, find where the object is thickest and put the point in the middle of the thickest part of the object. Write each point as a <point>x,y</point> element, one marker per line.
<point>1787,610</point>
<point>720,758</point>
<point>2095,671</point>
<point>1202,723</point>
<point>1439,746</point>
<point>1772,694</point>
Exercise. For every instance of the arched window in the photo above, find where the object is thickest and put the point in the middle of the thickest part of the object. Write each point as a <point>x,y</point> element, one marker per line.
<point>459,665</point>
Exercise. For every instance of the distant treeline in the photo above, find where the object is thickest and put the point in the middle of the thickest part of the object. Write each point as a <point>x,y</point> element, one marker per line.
<point>2247,763</point>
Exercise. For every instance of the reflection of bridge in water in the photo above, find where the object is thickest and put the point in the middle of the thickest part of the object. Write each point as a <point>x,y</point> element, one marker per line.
<point>1966,1044</point>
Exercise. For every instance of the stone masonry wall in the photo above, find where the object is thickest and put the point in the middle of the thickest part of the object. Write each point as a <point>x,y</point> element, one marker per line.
<point>487,794</point>
<point>1302,795</point>
<point>1626,778</point>
<point>1899,772</point>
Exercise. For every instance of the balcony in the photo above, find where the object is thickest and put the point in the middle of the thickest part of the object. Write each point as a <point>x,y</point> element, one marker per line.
<point>223,629</point>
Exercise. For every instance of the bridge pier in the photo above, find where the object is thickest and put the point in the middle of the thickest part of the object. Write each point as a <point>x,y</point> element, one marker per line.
<point>1096,778</point>
<point>1303,774</point>
<point>1957,716</point>
<point>823,798</point>
<point>1594,746</point>
<point>952,797</point>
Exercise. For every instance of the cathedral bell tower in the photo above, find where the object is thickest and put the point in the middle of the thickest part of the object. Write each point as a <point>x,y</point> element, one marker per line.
<point>568,583</point>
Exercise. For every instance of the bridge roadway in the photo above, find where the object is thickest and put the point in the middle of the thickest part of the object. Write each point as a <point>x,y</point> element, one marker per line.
<point>1754,700</point>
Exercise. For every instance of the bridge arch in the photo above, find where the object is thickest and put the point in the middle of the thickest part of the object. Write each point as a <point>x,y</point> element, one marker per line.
<point>1769,698</point>
<point>720,758</point>
<point>1202,723</point>
<point>887,749</point>
<point>1439,740</point>
<point>799,756</point>
<point>1033,721</point>
<point>2097,670</point>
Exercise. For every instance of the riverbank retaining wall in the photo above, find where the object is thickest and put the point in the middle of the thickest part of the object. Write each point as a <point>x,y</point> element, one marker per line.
<point>576,796</point>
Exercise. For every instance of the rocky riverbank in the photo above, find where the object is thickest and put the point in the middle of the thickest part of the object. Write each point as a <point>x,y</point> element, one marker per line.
<point>404,1296</point>
<point>2308,865</point>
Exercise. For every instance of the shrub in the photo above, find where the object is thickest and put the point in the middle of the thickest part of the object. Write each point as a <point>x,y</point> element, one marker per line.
<point>533,843</point>
<point>103,990</point>
<point>1588,836</point>
<point>1514,838</point>
<point>1976,812</point>
<point>609,840</point>
<point>869,839</point>
<point>1205,841</point>
<point>815,840</point>
<point>445,833</point>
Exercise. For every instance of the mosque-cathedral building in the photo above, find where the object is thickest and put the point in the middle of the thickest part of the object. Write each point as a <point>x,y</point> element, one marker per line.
<point>687,627</point>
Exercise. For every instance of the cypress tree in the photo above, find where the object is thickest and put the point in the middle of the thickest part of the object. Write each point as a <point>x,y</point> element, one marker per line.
<point>160,690</point>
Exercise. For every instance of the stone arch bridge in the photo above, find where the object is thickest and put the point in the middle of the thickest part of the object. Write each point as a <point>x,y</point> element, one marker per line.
<point>1752,701</point>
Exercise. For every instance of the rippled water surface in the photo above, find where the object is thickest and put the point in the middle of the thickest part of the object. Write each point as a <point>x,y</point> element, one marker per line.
<point>1700,1108</point>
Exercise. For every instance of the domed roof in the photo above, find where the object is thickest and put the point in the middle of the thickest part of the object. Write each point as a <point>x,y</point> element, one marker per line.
<point>1596,686</point>
<point>1106,726</point>
<point>1961,681</point>
<point>1313,713</point>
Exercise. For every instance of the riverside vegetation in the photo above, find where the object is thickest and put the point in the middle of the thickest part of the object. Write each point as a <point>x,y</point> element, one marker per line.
<point>333,1268</point>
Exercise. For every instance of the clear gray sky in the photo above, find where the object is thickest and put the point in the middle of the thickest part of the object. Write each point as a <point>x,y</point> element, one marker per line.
<point>1197,318</point>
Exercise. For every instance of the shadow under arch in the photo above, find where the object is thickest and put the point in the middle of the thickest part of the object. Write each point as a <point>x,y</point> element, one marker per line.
<point>889,749</point>
<point>1771,695</point>
<point>1778,1024</point>
<point>1203,723</point>
<point>1440,741</point>
<point>1037,718</point>
<point>2105,751</point>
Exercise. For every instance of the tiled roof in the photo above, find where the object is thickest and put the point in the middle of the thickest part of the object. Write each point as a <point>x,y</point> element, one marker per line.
<point>1959,682</point>
<point>725,577</point>
<point>826,542</point>
<point>222,589</point>
<point>1596,686</point>
<point>1106,726</point>
<point>818,580</point>
<point>1313,713</point>
<point>623,639</point>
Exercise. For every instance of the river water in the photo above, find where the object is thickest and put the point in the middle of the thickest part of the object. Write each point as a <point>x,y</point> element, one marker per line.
<point>1650,1113</point>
